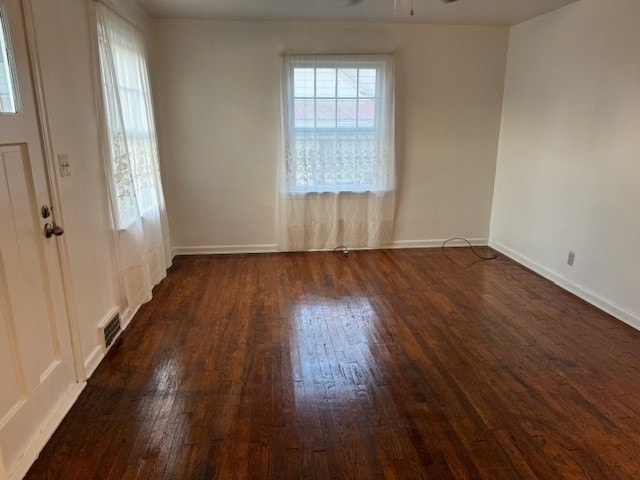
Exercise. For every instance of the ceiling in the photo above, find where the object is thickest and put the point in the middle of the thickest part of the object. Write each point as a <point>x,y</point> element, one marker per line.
<point>477,12</point>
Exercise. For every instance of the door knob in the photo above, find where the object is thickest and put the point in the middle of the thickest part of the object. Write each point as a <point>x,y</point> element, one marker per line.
<point>51,230</point>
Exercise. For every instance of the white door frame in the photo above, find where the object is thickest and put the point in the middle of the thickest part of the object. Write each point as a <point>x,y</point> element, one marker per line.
<point>52,180</point>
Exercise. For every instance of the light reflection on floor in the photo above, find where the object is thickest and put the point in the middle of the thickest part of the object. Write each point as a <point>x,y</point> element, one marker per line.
<point>162,405</point>
<point>329,344</point>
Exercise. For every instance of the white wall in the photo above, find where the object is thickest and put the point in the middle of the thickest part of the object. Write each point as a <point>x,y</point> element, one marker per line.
<point>63,36</point>
<point>219,112</point>
<point>568,175</point>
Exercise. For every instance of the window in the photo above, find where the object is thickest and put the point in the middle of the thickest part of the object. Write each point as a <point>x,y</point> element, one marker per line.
<point>8,96</point>
<point>131,154</point>
<point>129,116</point>
<point>339,125</point>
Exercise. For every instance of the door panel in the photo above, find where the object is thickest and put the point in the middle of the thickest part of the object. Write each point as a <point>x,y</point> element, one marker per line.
<point>36,363</point>
<point>22,256</point>
<point>12,379</point>
<point>42,370</point>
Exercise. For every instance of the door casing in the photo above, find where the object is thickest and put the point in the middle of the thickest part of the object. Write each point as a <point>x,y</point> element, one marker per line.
<point>54,189</point>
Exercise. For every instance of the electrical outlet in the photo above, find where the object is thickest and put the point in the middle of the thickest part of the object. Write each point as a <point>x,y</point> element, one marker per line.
<point>571,259</point>
<point>65,164</point>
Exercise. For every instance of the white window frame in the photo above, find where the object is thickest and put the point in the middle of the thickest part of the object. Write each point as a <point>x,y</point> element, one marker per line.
<point>332,62</point>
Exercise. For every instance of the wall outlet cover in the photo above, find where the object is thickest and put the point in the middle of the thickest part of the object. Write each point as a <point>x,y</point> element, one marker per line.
<point>65,164</point>
<point>571,259</point>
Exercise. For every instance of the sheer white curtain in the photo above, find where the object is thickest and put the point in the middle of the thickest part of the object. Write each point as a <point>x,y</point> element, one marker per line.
<point>337,165</point>
<point>130,143</point>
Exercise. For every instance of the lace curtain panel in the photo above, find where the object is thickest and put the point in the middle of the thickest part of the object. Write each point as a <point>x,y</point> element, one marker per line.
<point>337,165</point>
<point>131,150</point>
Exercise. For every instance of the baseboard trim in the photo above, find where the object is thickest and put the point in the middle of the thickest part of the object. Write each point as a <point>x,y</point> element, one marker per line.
<point>476,242</point>
<point>224,249</point>
<point>33,452</point>
<point>585,294</point>
<point>93,360</point>
<point>400,244</point>
<point>127,316</point>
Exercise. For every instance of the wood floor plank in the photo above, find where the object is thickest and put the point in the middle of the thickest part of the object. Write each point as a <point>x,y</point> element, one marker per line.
<point>388,364</point>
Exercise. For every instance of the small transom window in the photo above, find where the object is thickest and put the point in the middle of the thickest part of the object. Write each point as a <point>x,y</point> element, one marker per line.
<point>8,91</point>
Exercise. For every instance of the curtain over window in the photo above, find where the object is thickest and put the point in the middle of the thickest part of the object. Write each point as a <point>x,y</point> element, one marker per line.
<point>132,162</point>
<point>337,167</point>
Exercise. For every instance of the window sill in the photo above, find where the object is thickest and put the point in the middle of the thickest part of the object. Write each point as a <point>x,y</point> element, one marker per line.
<point>346,192</point>
<point>126,227</point>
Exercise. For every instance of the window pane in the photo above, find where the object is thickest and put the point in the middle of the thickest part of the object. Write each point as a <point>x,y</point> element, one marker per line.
<point>8,102</point>
<point>366,113</point>
<point>325,113</point>
<point>347,82</point>
<point>304,113</point>
<point>367,82</point>
<point>326,82</point>
<point>130,85</point>
<point>347,112</point>
<point>303,82</point>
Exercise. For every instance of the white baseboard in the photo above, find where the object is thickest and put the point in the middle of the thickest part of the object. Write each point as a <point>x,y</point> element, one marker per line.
<point>476,242</point>
<point>93,360</point>
<point>127,316</point>
<point>224,249</point>
<point>228,249</point>
<point>593,298</point>
<point>45,434</point>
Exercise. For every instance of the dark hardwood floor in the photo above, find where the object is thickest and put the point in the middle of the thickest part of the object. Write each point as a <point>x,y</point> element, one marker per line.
<point>396,364</point>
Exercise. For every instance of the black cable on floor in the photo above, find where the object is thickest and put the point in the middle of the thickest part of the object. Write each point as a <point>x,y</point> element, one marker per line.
<point>492,257</point>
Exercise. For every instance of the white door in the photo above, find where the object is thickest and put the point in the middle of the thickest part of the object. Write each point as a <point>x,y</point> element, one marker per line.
<point>36,365</point>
